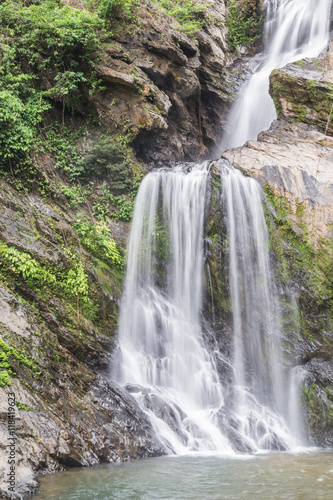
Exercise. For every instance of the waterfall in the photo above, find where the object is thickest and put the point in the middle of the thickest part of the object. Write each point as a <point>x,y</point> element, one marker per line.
<point>261,387</point>
<point>163,360</point>
<point>162,357</point>
<point>294,30</point>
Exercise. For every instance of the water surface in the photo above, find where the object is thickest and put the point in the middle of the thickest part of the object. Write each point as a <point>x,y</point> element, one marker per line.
<point>275,476</point>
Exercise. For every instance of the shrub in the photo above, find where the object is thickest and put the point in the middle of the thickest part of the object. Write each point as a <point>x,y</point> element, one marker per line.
<point>15,133</point>
<point>187,12</point>
<point>244,23</point>
<point>22,263</point>
<point>4,378</point>
<point>37,38</point>
<point>111,8</point>
<point>108,160</point>
<point>97,240</point>
<point>58,33</point>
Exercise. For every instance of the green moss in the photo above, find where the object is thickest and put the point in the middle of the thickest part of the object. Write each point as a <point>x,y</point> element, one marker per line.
<point>301,112</point>
<point>217,279</point>
<point>244,22</point>
<point>4,378</point>
<point>22,406</point>
<point>317,402</point>
<point>309,101</point>
<point>296,256</point>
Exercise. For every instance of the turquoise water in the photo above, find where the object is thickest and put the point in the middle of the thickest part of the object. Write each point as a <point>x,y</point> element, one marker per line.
<point>276,476</point>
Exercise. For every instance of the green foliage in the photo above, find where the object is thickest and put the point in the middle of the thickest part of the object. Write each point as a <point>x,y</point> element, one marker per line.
<point>74,194</point>
<point>66,89</point>
<point>109,160</point>
<point>76,280</point>
<point>22,263</point>
<point>244,23</point>
<point>68,159</point>
<point>21,109</point>
<point>4,378</point>
<point>125,208</point>
<point>106,161</point>
<point>97,240</point>
<point>22,406</point>
<point>64,35</point>
<point>15,135</point>
<point>45,55</point>
<point>112,8</point>
<point>73,281</point>
<point>8,354</point>
<point>187,12</point>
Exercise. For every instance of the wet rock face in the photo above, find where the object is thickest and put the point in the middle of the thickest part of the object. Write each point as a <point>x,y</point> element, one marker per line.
<point>302,91</point>
<point>66,414</point>
<point>296,161</point>
<point>169,93</point>
<point>293,160</point>
<point>295,156</point>
<point>317,400</point>
<point>102,424</point>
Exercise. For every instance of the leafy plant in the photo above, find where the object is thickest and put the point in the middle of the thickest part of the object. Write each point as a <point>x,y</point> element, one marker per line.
<point>76,280</point>
<point>244,23</point>
<point>187,12</point>
<point>7,353</point>
<point>125,208</point>
<point>111,8</point>
<point>4,378</point>
<point>66,88</point>
<point>38,38</point>
<point>109,160</point>
<point>97,240</point>
<point>66,36</point>
<point>68,158</point>
<point>22,263</point>
<point>22,406</point>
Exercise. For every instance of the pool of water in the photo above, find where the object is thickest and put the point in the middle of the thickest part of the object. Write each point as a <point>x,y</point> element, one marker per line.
<point>273,476</point>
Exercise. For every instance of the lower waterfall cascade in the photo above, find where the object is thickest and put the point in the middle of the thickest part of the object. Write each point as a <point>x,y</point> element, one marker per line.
<point>163,358</point>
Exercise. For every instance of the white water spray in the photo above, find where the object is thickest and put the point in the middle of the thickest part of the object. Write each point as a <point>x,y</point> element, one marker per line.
<point>160,335</point>
<point>261,400</point>
<point>162,358</point>
<point>294,30</point>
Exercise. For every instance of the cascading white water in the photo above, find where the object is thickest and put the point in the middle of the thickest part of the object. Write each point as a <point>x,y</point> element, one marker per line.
<point>160,336</point>
<point>294,30</point>
<point>162,358</point>
<point>261,389</point>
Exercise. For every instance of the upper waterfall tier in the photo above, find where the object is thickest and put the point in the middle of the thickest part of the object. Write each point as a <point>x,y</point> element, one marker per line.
<point>294,29</point>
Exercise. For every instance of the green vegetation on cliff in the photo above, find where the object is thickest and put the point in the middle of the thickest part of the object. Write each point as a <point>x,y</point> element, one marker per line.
<point>245,22</point>
<point>309,335</point>
<point>61,260</point>
<point>316,261</point>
